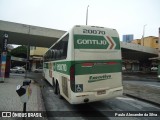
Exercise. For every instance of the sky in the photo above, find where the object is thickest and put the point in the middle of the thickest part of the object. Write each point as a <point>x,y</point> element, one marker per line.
<point>126,16</point>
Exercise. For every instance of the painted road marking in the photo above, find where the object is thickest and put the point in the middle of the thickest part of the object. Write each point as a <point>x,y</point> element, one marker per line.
<point>153,85</point>
<point>130,101</point>
<point>124,98</point>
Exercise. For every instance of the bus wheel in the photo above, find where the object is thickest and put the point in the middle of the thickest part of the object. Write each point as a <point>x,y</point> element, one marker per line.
<point>58,92</point>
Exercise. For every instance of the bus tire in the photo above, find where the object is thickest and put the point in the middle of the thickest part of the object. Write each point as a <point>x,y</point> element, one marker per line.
<point>58,92</point>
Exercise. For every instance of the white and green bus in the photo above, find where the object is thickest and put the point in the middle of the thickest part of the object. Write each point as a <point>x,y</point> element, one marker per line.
<point>85,65</point>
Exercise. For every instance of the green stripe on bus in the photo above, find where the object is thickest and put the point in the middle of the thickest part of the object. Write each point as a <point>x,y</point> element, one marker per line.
<point>103,67</point>
<point>63,67</point>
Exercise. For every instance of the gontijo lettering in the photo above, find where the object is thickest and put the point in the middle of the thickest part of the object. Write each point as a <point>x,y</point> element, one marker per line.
<point>94,42</point>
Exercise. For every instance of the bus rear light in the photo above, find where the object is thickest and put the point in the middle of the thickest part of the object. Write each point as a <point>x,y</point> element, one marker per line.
<point>111,63</point>
<point>87,64</point>
<point>91,64</point>
<point>72,73</point>
<point>72,78</point>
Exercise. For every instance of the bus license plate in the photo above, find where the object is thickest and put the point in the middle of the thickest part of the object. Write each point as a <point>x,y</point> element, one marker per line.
<point>101,92</point>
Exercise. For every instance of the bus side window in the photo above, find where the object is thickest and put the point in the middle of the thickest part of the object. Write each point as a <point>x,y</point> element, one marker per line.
<point>53,54</point>
<point>64,46</point>
<point>58,54</point>
<point>55,57</point>
<point>61,53</point>
<point>59,50</point>
<point>49,54</point>
<point>65,49</point>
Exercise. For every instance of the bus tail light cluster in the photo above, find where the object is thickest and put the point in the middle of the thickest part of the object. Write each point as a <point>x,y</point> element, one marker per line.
<point>87,64</point>
<point>91,64</point>
<point>111,63</point>
<point>72,78</point>
<point>72,73</point>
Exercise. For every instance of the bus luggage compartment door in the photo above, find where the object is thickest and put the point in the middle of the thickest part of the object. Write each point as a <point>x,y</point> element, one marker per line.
<point>97,76</point>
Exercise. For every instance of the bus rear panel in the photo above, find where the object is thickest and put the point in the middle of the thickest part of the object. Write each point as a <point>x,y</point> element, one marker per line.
<point>96,72</point>
<point>85,64</point>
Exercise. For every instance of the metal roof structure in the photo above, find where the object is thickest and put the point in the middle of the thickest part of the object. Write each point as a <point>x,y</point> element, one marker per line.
<point>137,52</point>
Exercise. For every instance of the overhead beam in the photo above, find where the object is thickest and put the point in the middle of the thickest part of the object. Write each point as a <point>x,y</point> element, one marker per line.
<point>23,34</point>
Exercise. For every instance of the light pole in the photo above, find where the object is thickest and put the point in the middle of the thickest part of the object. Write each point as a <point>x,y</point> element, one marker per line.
<point>87,15</point>
<point>143,33</point>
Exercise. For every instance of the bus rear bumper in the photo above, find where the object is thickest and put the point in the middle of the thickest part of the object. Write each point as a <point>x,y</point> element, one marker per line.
<point>85,97</point>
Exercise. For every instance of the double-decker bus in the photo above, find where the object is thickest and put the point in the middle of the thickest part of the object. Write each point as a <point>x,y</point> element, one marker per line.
<point>85,65</point>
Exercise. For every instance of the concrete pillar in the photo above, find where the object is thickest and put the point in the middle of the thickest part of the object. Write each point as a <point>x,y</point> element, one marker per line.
<point>3,57</point>
<point>159,55</point>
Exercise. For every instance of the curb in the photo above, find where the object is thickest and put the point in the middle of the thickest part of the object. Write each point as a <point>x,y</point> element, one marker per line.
<point>42,96</point>
<point>141,99</point>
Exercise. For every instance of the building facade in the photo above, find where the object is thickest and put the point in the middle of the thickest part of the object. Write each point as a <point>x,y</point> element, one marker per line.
<point>150,41</point>
<point>36,57</point>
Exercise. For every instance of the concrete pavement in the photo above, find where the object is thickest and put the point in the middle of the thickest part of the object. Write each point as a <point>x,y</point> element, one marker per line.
<point>139,76</point>
<point>139,85</point>
<point>10,101</point>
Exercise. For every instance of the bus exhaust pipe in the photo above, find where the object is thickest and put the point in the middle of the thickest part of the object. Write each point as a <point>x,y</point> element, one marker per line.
<point>86,100</point>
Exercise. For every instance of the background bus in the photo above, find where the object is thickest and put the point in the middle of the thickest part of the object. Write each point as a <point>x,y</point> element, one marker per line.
<point>84,65</point>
